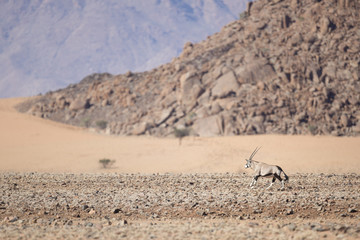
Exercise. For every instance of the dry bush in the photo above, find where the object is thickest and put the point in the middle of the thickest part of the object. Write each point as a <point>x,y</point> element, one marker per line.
<point>106,162</point>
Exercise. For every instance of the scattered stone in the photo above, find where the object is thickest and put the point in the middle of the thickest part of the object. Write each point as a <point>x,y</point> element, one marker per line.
<point>289,211</point>
<point>89,224</point>
<point>257,211</point>
<point>123,222</point>
<point>285,21</point>
<point>292,227</point>
<point>352,210</point>
<point>321,228</point>
<point>116,210</point>
<point>13,219</point>
<point>175,204</point>
<point>69,223</point>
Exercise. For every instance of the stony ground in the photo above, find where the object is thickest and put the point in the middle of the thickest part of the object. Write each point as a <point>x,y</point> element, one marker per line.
<point>177,206</point>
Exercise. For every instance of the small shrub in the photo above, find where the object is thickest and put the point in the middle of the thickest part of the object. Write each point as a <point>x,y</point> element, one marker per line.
<point>106,163</point>
<point>86,122</point>
<point>312,129</point>
<point>180,133</point>
<point>101,124</point>
<point>190,118</point>
<point>301,18</point>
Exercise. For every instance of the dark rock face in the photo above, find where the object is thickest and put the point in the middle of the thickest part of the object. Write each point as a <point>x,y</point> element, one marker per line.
<point>286,67</point>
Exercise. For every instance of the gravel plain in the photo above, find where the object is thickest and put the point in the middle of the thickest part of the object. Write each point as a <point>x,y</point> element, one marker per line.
<point>177,206</point>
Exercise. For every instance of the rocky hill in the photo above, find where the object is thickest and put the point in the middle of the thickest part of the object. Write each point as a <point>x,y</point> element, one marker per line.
<point>285,67</point>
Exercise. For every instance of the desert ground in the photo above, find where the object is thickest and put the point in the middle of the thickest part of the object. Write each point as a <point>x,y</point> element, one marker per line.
<point>54,187</point>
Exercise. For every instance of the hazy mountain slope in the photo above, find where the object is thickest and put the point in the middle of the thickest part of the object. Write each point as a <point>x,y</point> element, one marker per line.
<point>48,44</point>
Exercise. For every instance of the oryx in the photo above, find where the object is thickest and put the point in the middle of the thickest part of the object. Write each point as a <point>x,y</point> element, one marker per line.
<point>265,170</point>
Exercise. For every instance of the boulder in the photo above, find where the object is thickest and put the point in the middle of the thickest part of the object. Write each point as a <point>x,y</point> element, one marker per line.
<point>140,128</point>
<point>225,85</point>
<point>190,88</point>
<point>162,115</point>
<point>78,104</point>
<point>209,126</point>
<point>259,70</point>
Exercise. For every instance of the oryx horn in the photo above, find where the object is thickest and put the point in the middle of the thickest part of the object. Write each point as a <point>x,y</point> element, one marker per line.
<point>255,151</point>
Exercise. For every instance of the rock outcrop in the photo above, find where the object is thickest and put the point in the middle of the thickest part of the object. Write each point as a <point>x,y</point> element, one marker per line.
<point>285,67</point>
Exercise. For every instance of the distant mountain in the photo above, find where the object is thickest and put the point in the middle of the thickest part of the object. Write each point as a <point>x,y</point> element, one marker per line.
<point>48,44</point>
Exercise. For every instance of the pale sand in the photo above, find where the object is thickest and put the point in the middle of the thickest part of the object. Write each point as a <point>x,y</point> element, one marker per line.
<point>28,144</point>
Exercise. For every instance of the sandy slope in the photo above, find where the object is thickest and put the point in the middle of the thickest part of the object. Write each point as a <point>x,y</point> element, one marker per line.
<point>32,144</point>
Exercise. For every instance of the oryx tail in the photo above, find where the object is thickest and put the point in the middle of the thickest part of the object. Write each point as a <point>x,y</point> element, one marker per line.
<point>285,176</point>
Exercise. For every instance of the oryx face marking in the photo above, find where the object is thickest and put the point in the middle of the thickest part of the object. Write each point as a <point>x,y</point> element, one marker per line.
<point>265,170</point>
<point>248,164</point>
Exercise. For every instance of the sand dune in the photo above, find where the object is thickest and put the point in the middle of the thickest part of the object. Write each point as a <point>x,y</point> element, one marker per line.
<point>28,143</point>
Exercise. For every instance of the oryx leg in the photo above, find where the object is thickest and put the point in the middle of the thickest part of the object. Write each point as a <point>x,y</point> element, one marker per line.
<point>281,180</point>
<point>253,182</point>
<point>272,182</point>
<point>282,184</point>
